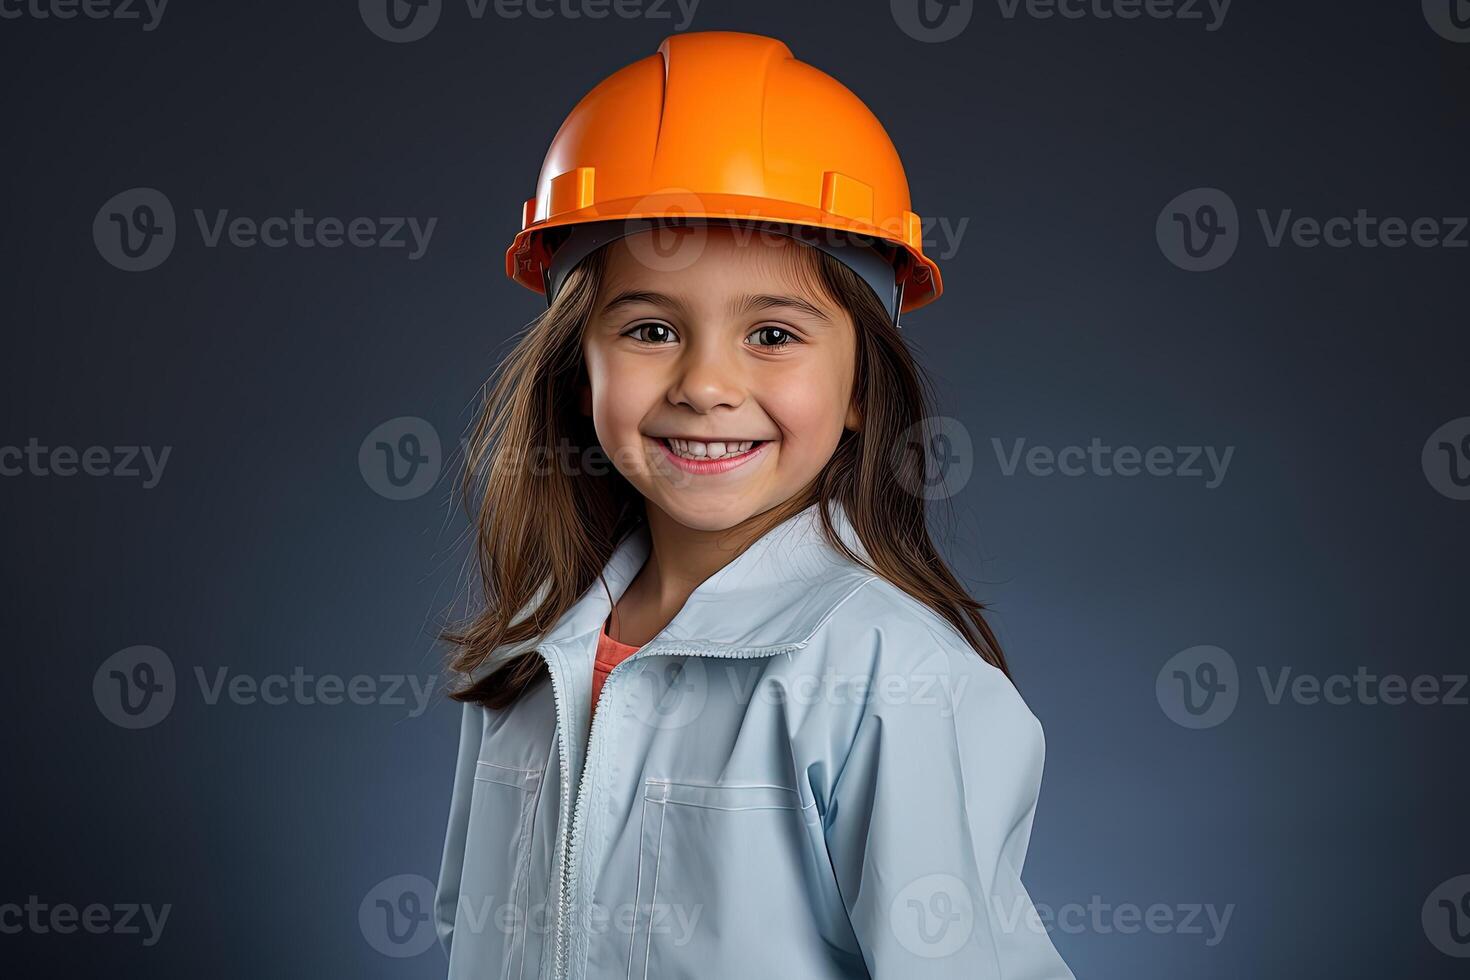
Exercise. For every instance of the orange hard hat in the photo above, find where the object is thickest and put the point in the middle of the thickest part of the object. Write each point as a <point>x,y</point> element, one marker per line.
<point>729,126</point>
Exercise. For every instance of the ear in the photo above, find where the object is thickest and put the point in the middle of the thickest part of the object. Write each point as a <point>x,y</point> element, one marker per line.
<point>854,420</point>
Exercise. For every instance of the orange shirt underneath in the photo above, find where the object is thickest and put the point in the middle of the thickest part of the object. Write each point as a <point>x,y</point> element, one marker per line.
<point>610,653</point>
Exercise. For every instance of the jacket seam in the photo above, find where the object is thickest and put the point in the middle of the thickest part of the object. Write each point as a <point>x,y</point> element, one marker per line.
<point>827,616</point>
<point>653,895</point>
<point>637,885</point>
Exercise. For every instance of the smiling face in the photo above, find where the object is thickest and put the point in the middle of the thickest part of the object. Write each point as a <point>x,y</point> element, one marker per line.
<point>720,388</point>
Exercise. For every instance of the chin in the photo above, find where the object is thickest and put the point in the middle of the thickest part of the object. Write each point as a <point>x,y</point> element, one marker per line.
<point>699,515</point>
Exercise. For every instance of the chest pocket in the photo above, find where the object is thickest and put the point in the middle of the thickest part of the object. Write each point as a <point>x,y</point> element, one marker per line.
<point>723,869</point>
<point>497,911</point>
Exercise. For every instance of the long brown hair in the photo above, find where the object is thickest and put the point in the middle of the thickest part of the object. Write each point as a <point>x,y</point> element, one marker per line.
<point>548,508</point>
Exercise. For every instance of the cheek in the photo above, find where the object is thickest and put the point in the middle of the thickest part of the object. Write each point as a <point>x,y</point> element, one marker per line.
<point>810,412</point>
<point>620,397</point>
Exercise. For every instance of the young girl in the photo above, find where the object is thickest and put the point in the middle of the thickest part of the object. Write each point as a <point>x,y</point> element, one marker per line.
<point>727,711</point>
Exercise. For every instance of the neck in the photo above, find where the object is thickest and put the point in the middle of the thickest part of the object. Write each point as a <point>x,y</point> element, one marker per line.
<point>680,558</point>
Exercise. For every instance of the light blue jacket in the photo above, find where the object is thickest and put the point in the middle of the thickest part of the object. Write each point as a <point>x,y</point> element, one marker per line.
<point>807,774</point>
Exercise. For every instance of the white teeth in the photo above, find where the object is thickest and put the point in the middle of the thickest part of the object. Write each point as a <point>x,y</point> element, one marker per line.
<point>690,449</point>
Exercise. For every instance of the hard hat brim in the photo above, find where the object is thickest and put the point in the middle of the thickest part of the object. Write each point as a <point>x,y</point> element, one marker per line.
<point>527,258</point>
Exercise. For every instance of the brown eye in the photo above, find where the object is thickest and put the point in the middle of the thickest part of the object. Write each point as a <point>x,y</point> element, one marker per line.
<point>658,333</point>
<point>774,336</point>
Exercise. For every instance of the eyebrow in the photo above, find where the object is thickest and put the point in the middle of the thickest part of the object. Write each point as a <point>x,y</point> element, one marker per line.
<point>745,304</point>
<point>630,296</point>
<point>766,301</point>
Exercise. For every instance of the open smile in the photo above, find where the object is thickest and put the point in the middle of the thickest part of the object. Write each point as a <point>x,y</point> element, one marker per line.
<point>714,456</point>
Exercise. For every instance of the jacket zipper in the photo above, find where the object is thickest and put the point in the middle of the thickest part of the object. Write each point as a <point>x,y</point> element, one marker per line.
<point>566,879</point>
<point>566,799</point>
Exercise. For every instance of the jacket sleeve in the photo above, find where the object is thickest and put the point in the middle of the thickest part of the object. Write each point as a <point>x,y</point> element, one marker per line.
<point>929,820</point>
<point>446,897</point>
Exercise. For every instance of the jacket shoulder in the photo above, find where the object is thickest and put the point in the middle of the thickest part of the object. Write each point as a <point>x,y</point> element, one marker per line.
<point>893,638</point>
<point>902,629</point>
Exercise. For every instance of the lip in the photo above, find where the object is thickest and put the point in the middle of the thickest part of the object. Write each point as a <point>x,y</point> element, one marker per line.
<point>709,467</point>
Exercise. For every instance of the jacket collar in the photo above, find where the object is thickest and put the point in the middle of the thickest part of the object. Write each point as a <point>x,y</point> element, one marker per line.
<point>771,598</point>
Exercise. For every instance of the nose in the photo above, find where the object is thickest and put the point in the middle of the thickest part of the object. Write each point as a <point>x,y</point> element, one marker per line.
<point>708,377</point>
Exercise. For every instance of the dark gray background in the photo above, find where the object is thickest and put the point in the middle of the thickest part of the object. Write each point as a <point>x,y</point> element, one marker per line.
<point>264,547</point>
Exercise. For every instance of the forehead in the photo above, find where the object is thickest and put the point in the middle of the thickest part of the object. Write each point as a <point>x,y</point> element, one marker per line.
<point>709,260</point>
